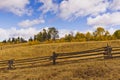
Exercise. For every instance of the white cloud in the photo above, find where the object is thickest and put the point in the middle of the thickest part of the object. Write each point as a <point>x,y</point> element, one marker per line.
<point>13,32</point>
<point>112,30</point>
<point>108,19</point>
<point>3,34</point>
<point>63,32</point>
<point>76,8</point>
<point>47,6</point>
<point>30,23</point>
<point>17,7</point>
<point>115,5</point>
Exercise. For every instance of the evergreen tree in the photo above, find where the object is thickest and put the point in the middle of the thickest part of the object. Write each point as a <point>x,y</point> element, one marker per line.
<point>30,39</point>
<point>53,33</point>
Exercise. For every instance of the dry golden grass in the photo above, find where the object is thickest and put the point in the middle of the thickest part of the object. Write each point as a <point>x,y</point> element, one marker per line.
<point>83,70</point>
<point>19,51</point>
<point>88,70</point>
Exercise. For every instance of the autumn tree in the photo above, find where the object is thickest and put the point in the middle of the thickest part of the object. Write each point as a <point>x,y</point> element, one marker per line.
<point>107,36</point>
<point>117,34</point>
<point>80,37</point>
<point>88,36</point>
<point>99,33</point>
<point>68,37</point>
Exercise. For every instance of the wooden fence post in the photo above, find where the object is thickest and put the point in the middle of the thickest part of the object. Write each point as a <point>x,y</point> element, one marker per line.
<point>110,52</point>
<point>10,64</point>
<point>54,56</point>
<point>107,52</point>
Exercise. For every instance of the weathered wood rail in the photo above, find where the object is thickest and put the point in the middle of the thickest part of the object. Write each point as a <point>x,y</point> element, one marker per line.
<point>107,52</point>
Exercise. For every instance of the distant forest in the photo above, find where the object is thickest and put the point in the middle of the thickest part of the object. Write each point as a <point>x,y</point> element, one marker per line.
<point>52,35</point>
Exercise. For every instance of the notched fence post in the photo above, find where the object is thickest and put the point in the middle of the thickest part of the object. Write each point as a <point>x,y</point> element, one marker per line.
<point>54,57</point>
<point>107,52</point>
<point>10,64</point>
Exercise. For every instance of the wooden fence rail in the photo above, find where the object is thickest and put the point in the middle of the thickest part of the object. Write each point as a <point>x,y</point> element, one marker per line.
<point>104,53</point>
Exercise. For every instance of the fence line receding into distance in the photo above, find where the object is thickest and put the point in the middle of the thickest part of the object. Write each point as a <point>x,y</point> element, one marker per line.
<point>107,52</point>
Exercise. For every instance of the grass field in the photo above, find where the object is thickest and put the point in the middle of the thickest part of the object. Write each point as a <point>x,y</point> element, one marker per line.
<point>18,51</point>
<point>83,70</point>
<point>88,70</point>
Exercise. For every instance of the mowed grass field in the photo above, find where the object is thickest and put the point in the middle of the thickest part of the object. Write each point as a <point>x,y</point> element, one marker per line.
<point>83,70</point>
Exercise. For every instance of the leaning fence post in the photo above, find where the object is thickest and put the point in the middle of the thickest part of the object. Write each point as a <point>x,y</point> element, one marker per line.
<point>54,56</point>
<point>10,64</point>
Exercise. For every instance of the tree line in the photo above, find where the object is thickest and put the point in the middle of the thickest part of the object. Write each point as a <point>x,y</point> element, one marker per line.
<point>52,35</point>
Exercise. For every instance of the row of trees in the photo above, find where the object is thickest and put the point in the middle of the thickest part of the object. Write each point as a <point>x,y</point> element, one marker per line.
<point>15,40</point>
<point>51,34</point>
<point>100,34</point>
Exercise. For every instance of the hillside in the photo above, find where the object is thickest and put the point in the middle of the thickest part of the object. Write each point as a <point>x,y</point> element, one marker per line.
<point>77,70</point>
<point>18,51</point>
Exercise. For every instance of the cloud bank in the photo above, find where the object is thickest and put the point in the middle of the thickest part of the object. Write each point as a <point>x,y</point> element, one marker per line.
<point>108,19</point>
<point>104,13</point>
<point>17,7</point>
<point>98,12</point>
<point>77,8</point>
<point>13,32</point>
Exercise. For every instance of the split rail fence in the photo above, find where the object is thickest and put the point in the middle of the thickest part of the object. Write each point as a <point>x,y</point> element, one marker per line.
<point>107,52</point>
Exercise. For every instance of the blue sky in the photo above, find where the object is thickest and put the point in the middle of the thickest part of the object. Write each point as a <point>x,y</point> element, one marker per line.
<point>25,18</point>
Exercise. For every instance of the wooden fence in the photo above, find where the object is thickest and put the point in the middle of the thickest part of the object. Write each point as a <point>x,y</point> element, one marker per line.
<point>99,53</point>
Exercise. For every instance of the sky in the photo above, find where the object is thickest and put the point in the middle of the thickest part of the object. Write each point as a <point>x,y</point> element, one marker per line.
<point>25,18</point>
